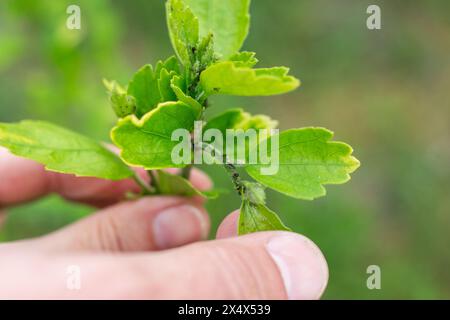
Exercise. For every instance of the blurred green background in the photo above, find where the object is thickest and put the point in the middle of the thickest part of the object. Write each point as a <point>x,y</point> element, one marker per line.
<point>385,92</point>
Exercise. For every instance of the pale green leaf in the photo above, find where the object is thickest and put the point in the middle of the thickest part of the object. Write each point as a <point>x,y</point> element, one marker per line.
<point>227,20</point>
<point>226,120</point>
<point>151,86</point>
<point>147,142</point>
<point>62,150</point>
<point>205,54</point>
<point>183,29</point>
<point>244,59</point>
<point>122,103</point>
<point>308,160</point>
<point>113,85</point>
<point>227,78</point>
<point>177,84</point>
<point>257,122</point>
<point>254,192</point>
<point>170,64</point>
<point>257,217</point>
<point>164,85</point>
<point>239,119</point>
<point>176,185</point>
<point>240,122</point>
<point>166,71</point>
<point>144,88</point>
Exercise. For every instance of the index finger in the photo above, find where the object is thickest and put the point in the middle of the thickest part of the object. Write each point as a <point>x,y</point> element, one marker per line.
<point>23,180</point>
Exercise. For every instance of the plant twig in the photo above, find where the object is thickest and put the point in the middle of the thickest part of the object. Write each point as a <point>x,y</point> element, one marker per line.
<point>154,181</point>
<point>235,178</point>
<point>186,172</point>
<point>145,188</point>
<point>230,168</point>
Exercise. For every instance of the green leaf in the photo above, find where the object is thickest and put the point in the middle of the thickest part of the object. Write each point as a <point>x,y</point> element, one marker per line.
<point>227,78</point>
<point>183,29</point>
<point>176,84</point>
<point>257,217</point>
<point>164,85</point>
<point>254,192</point>
<point>226,120</point>
<point>166,71</point>
<point>307,161</point>
<point>177,185</point>
<point>238,119</point>
<point>122,104</point>
<point>144,88</point>
<point>171,64</point>
<point>113,85</point>
<point>244,59</point>
<point>227,20</point>
<point>257,122</point>
<point>62,150</point>
<point>205,54</point>
<point>147,142</point>
<point>179,82</point>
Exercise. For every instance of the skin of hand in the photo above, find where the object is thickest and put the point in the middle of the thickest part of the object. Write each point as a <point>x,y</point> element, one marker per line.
<point>151,248</point>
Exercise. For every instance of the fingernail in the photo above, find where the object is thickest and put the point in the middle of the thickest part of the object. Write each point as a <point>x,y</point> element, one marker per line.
<point>176,226</point>
<point>302,266</point>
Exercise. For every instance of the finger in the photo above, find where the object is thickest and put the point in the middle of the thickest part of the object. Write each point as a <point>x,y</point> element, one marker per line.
<point>229,226</point>
<point>24,180</point>
<point>199,179</point>
<point>153,223</point>
<point>271,265</point>
<point>103,193</point>
<point>274,265</point>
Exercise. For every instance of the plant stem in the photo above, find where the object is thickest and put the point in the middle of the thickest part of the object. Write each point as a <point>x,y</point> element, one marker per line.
<point>145,188</point>
<point>154,181</point>
<point>235,177</point>
<point>232,171</point>
<point>186,172</point>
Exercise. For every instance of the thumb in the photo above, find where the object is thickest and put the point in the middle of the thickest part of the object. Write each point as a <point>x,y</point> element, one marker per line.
<point>266,265</point>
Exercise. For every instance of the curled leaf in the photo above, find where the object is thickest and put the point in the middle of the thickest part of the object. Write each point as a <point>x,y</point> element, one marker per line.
<point>244,59</point>
<point>183,29</point>
<point>239,119</point>
<point>177,85</point>
<point>230,79</point>
<point>122,104</point>
<point>227,20</point>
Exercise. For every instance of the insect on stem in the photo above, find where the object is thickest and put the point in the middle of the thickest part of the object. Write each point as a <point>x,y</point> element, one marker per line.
<point>235,177</point>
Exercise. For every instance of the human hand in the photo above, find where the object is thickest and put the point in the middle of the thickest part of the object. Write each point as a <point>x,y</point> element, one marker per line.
<point>147,249</point>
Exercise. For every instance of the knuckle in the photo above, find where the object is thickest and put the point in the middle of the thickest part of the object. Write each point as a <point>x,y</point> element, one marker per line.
<point>99,232</point>
<point>109,235</point>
